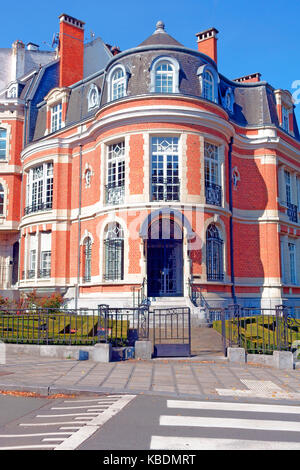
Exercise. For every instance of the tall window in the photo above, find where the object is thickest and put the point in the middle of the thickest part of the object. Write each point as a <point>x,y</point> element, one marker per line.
<point>214,254</point>
<point>45,270</point>
<point>285,119</point>
<point>3,135</point>
<point>287,178</point>
<point>292,258</point>
<point>164,78</point>
<point>1,200</point>
<point>45,255</point>
<point>164,169</point>
<point>87,259</point>
<point>32,264</point>
<point>115,186</point>
<point>114,252</point>
<point>40,188</point>
<point>118,84</point>
<point>208,86</point>
<point>56,117</point>
<point>213,190</point>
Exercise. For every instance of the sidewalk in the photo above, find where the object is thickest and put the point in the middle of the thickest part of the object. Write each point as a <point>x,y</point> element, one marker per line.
<point>198,376</point>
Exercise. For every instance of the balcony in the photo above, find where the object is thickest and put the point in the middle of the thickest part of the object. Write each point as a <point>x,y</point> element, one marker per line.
<point>114,195</point>
<point>44,273</point>
<point>292,212</point>
<point>165,189</point>
<point>215,276</point>
<point>213,194</point>
<point>40,206</point>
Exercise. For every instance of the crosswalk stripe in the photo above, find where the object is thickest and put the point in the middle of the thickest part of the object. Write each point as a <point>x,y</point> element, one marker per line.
<point>100,407</point>
<point>199,443</point>
<point>212,422</point>
<point>88,413</point>
<point>40,446</point>
<point>203,405</point>
<point>38,434</point>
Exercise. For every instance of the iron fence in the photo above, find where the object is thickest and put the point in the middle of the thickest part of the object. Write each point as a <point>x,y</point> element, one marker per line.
<point>120,327</point>
<point>171,331</point>
<point>258,330</point>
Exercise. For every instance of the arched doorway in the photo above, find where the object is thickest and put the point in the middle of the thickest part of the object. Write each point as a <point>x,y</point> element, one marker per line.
<point>165,259</point>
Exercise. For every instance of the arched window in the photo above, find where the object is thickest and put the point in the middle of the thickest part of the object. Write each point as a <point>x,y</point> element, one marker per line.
<point>1,200</point>
<point>114,252</point>
<point>208,86</point>
<point>164,75</point>
<point>214,254</point>
<point>209,80</point>
<point>118,84</point>
<point>164,78</point>
<point>87,245</point>
<point>3,135</point>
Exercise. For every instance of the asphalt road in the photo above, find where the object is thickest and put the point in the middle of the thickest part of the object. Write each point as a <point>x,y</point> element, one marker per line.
<point>147,422</point>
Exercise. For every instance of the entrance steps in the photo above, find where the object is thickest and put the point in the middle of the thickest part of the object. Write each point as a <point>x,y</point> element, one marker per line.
<point>198,315</point>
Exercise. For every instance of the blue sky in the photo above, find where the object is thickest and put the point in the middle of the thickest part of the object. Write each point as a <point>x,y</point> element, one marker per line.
<point>257,36</point>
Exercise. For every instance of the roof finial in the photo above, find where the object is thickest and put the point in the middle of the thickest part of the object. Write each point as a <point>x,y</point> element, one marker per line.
<point>160,27</point>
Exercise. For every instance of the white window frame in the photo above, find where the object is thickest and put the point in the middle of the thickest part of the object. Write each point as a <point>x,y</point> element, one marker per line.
<point>114,252</point>
<point>40,187</point>
<point>115,173</point>
<point>165,169</point>
<point>288,186</point>
<point>201,72</point>
<point>285,118</point>
<point>120,83</point>
<point>56,117</point>
<point>174,73</point>
<point>3,139</point>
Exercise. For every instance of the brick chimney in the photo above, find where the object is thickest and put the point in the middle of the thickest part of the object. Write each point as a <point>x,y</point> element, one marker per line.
<point>71,47</point>
<point>207,43</point>
<point>253,77</point>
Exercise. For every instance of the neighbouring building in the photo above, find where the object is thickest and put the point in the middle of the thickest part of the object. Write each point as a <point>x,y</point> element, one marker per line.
<point>147,170</point>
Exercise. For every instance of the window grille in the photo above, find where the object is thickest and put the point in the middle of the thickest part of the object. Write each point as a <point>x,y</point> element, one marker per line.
<point>1,200</point>
<point>114,252</point>
<point>87,259</point>
<point>214,254</point>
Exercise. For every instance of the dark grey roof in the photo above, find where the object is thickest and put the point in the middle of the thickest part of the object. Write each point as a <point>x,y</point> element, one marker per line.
<point>160,37</point>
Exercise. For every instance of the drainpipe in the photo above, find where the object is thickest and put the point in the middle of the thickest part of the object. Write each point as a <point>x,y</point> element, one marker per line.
<point>79,227</point>
<point>231,220</point>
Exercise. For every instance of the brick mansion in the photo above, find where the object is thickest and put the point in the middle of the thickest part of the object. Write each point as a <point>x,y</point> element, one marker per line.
<point>145,169</point>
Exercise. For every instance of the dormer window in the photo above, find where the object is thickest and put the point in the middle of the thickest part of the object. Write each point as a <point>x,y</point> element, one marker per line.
<point>208,83</point>
<point>284,102</point>
<point>164,74</point>
<point>285,119</point>
<point>209,80</point>
<point>117,82</point>
<point>56,117</point>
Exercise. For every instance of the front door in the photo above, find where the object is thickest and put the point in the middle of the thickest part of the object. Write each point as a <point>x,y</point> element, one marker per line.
<point>164,268</point>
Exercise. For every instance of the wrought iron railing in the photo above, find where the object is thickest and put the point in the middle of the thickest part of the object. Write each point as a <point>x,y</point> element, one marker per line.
<point>213,194</point>
<point>139,295</point>
<point>292,212</point>
<point>258,330</point>
<point>165,189</point>
<point>114,194</point>
<point>44,273</point>
<point>118,326</point>
<point>40,206</point>
<point>215,276</point>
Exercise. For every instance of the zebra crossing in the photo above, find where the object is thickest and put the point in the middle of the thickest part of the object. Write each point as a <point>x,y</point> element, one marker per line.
<point>227,426</point>
<point>64,427</point>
